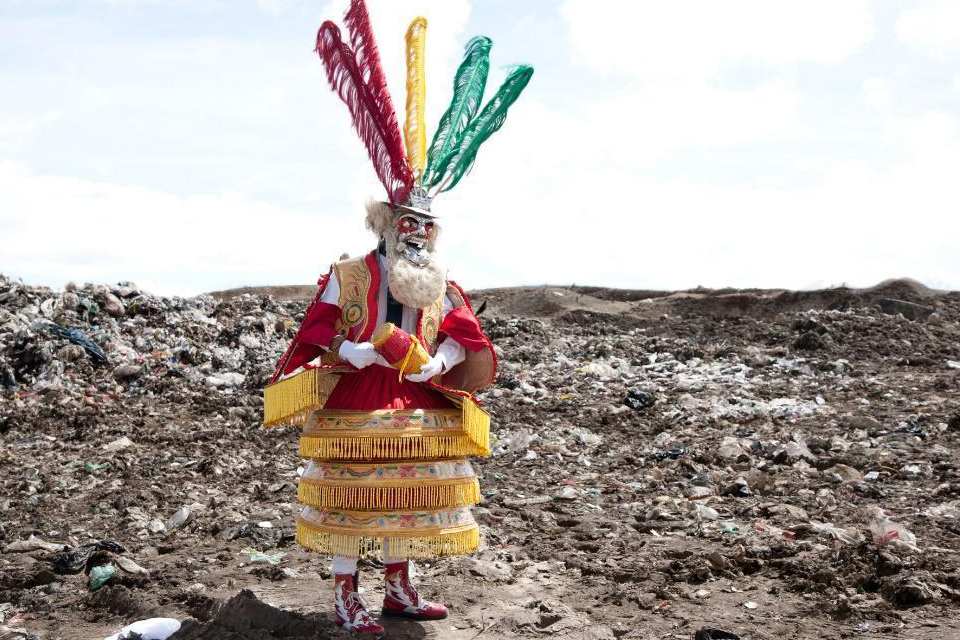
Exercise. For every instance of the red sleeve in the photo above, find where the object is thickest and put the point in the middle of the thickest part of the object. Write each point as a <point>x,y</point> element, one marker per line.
<point>316,329</point>
<point>461,325</point>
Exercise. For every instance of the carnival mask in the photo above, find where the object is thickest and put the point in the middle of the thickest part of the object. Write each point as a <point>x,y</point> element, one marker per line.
<point>413,235</point>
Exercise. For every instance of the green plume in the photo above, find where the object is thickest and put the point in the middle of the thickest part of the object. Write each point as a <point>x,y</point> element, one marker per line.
<point>482,127</point>
<point>468,86</point>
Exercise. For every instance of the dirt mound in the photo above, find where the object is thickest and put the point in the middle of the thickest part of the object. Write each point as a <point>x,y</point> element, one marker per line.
<point>245,617</point>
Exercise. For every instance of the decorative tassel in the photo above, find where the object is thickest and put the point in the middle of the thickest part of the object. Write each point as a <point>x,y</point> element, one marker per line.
<point>415,126</point>
<point>476,422</point>
<point>290,401</point>
<point>389,498</point>
<point>376,448</point>
<point>450,542</point>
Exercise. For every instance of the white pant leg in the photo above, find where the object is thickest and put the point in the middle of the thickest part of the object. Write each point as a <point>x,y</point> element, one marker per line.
<point>386,558</point>
<point>342,565</point>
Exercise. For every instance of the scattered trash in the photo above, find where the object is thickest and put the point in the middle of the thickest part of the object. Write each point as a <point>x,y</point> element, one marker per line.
<point>714,634</point>
<point>70,562</point>
<point>100,575</point>
<point>259,556</point>
<point>887,532</point>
<point>152,629</point>
<point>178,519</point>
<point>118,445</point>
<point>78,337</point>
<point>766,439</point>
<point>130,566</point>
<point>672,454</point>
<point>750,604</point>
<point>638,399</point>
<point>32,543</point>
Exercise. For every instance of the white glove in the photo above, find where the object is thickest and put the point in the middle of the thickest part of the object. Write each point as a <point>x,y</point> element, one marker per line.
<point>449,354</point>
<point>360,355</point>
<point>433,367</point>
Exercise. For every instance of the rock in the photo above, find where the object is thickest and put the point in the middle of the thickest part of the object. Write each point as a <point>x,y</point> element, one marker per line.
<point>910,310</point>
<point>907,591</point>
<point>866,423</point>
<point>113,306</point>
<point>809,341</point>
<point>954,423</point>
<point>845,473</point>
<point>935,319</point>
<point>178,519</point>
<point>491,570</point>
<point>126,371</point>
<point>118,445</point>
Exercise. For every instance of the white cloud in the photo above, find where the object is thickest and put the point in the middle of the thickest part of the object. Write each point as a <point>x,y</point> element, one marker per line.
<point>932,28</point>
<point>59,228</point>
<point>685,38</point>
<point>876,93</point>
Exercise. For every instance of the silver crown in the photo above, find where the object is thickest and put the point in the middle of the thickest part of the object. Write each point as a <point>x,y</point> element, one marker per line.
<point>418,199</point>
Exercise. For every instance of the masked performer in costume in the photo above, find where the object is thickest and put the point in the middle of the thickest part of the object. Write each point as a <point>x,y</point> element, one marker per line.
<point>382,370</point>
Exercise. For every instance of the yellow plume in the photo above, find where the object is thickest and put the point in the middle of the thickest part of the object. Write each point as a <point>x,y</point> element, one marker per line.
<point>415,128</point>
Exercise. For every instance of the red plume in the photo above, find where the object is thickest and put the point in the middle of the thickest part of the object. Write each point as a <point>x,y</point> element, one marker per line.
<point>369,104</point>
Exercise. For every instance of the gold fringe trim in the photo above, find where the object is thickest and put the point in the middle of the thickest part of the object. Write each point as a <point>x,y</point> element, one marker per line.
<point>290,401</point>
<point>476,422</point>
<point>371,448</point>
<point>451,542</point>
<point>389,498</point>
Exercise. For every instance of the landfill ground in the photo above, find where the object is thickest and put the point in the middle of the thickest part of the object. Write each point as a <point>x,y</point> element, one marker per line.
<point>774,464</point>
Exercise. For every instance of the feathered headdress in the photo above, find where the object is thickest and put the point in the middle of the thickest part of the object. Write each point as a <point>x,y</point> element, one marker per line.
<point>413,173</point>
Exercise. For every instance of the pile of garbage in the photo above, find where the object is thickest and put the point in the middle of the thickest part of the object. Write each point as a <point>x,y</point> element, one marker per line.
<point>749,463</point>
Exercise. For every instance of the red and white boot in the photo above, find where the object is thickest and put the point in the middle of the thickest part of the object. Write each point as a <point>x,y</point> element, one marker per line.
<point>349,608</point>
<point>401,597</point>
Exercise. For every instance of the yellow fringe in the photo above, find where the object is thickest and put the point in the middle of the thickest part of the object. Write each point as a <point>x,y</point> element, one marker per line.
<point>476,422</point>
<point>374,448</point>
<point>453,542</point>
<point>290,401</point>
<point>389,498</point>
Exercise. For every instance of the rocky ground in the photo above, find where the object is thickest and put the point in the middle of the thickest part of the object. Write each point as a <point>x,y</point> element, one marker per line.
<point>774,464</point>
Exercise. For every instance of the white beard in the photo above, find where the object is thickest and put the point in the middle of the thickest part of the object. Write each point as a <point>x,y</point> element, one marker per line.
<point>414,286</point>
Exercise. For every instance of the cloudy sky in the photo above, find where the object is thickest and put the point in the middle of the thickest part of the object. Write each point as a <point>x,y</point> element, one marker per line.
<point>192,145</point>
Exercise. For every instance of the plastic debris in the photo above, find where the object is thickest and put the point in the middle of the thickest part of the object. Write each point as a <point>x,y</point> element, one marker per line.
<point>78,337</point>
<point>714,634</point>
<point>77,560</point>
<point>100,575</point>
<point>152,629</point>
<point>259,556</point>
<point>32,543</point>
<point>178,519</point>
<point>887,532</point>
<point>130,566</point>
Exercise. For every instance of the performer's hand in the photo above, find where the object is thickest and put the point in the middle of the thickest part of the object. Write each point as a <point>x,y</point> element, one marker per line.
<point>433,367</point>
<point>360,355</point>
